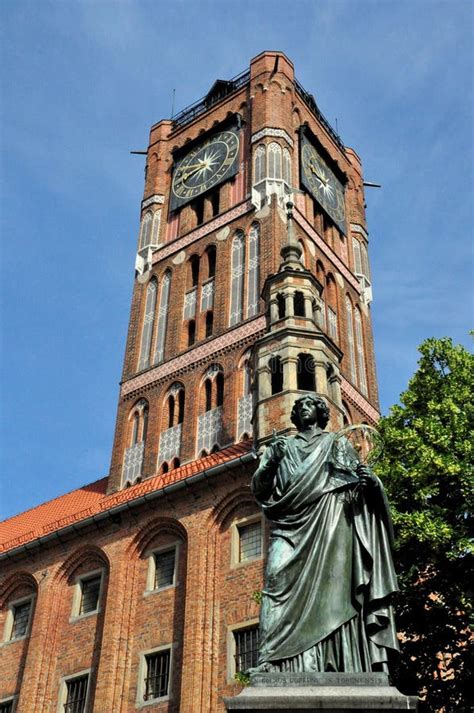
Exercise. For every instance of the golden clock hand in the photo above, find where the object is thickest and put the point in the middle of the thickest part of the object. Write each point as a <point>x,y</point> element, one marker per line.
<point>318,175</point>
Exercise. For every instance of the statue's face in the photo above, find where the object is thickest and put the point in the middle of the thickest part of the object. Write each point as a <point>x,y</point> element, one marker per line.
<point>307,411</point>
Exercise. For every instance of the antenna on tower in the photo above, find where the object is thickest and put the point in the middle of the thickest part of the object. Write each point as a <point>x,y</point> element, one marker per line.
<point>172,103</point>
<point>337,130</point>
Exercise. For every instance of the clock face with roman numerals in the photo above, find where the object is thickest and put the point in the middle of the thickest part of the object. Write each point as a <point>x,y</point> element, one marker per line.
<point>322,183</point>
<point>204,167</point>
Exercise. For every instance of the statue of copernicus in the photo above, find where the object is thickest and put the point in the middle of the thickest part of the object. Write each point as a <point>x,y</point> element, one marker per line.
<point>329,573</point>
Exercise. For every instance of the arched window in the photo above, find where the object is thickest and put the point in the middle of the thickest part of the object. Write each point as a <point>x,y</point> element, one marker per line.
<point>357,256</point>
<point>133,454</point>
<point>170,410</point>
<point>194,270</point>
<point>259,164</point>
<point>244,405</point>
<point>253,270</point>
<point>145,231</point>
<point>209,430</point>
<point>176,463</point>
<point>155,231</point>
<point>276,374</point>
<point>208,393</point>
<point>211,261</point>
<point>162,318</point>
<point>305,373</point>
<point>148,324</point>
<point>359,339</point>
<point>237,278</point>
<point>171,429</point>
<point>331,306</point>
<point>181,406</point>
<point>287,166</point>
<point>303,252</point>
<point>214,199</point>
<point>198,207</point>
<point>274,160</point>
<point>298,304</point>
<point>346,414</point>
<point>350,341</point>
<point>365,261</point>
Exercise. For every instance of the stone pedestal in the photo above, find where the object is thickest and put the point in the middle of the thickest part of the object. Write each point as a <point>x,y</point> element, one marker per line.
<point>335,692</point>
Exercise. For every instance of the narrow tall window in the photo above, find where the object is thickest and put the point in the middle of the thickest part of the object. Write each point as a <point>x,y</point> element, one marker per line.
<point>357,256</point>
<point>253,270</point>
<point>274,160</point>
<point>359,339</point>
<point>209,323</point>
<point>214,198</point>
<point>145,231</point>
<point>298,304</point>
<point>287,166</point>
<point>181,398</point>
<point>281,306</point>
<point>237,278</point>
<point>165,563</point>
<point>208,394</point>
<point>76,694</point>
<point>306,373</point>
<point>276,374</point>
<point>259,164</point>
<point>155,231</point>
<point>365,261</point>
<point>250,541</point>
<point>162,318</point>
<point>350,341</point>
<point>332,323</point>
<point>191,332</point>
<point>170,411</point>
<point>198,208</point>
<point>194,269</point>
<point>219,389</point>
<point>157,679</point>
<point>211,261</point>
<point>246,648</point>
<point>148,324</point>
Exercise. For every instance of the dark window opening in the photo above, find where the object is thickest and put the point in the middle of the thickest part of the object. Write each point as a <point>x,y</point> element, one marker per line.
<point>209,323</point>
<point>214,198</point>
<point>191,332</point>
<point>145,423</point>
<point>6,706</point>
<point>176,462</point>
<point>203,453</point>
<point>170,410</point>
<point>281,306</point>
<point>135,428</point>
<point>198,208</point>
<point>305,373</point>
<point>215,448</point>
<point>220,389</point>
<point>276,371</point>
<point>164,467</point>
<point>194,261</point>
<point>208,392</point>
<point>181,406</point>
<point>211,261</point>
<point>298,304</point>
<point>157,675</point>
<point>246,648</point>
<point>76,695</point>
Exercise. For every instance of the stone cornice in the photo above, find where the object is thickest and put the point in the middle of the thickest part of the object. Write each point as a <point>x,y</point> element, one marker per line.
<point>157,198</point>
<point>275,133</point>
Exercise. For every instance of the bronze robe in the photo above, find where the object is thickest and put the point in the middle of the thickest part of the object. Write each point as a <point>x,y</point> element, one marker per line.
<point>329,569</point>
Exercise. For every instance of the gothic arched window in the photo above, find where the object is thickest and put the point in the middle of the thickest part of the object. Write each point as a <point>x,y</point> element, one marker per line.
<point>155,231</point>
<point>237,278</point>
<point>359,340</point>
<point>145,231</point>
<point>259,164</point>
<point>287,166</point>
<point>305,373</point>
<point>211,261</point>
<point>274,160</point>
<point>350,341</point>
<point>162,318</point>
<point>148,324</point>
<point>253,270</point>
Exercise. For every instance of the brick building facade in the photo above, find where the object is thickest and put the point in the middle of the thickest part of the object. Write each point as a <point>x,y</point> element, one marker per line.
<point>252,285</point>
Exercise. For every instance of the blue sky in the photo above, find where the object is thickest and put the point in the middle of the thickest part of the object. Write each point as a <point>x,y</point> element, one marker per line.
<point>82,82</point>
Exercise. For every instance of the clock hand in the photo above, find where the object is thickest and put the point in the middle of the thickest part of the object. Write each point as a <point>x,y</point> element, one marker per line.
<point>318,175</point>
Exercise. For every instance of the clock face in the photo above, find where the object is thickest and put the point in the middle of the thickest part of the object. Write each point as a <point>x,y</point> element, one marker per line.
<point>204,167</point>
<point>321,182</point>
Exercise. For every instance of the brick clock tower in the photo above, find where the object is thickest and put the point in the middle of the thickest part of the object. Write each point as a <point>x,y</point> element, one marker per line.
<point>252,286</point>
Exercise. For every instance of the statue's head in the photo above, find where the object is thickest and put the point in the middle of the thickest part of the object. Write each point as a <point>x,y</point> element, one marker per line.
<point>309,409</point>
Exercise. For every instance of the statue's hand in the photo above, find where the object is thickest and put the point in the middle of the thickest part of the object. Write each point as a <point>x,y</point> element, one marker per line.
<point>366,476</point>
<point>278,449</point>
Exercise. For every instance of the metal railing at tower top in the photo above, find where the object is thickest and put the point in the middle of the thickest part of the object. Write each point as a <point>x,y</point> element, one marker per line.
<point>310,102</point>
<point>223,88</point>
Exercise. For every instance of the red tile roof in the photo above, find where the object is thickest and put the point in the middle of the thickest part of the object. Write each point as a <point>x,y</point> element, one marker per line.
<point>92,499</point>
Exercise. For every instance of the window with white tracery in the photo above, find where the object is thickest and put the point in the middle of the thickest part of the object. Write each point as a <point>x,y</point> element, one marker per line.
<point>145,230</point>
<point>253,292</point>
<point>162,318</point>
<point>274,160</point>
<point>360,352</point>
<point>259,163</point>
<point>237,278</point>
<point>287,166</point>
<point>148,324</point>
<point>350,342</point>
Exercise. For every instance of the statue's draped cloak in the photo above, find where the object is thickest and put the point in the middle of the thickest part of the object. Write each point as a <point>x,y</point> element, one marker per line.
<point>329,569</point>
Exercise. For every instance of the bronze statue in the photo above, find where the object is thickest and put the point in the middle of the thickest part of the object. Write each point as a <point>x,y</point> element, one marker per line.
<point>329,573</point>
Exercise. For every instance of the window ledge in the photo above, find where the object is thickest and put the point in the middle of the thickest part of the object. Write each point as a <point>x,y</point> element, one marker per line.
<point>153,701</point>
<point>79,617</point>
<point>150,592</point>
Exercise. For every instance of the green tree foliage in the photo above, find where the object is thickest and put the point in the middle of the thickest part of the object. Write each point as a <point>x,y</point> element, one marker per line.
<point>427,469</point>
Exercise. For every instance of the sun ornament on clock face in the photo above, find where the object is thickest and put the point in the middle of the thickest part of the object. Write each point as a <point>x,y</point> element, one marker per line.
<point>323,184</point>
<point>204,167</point>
